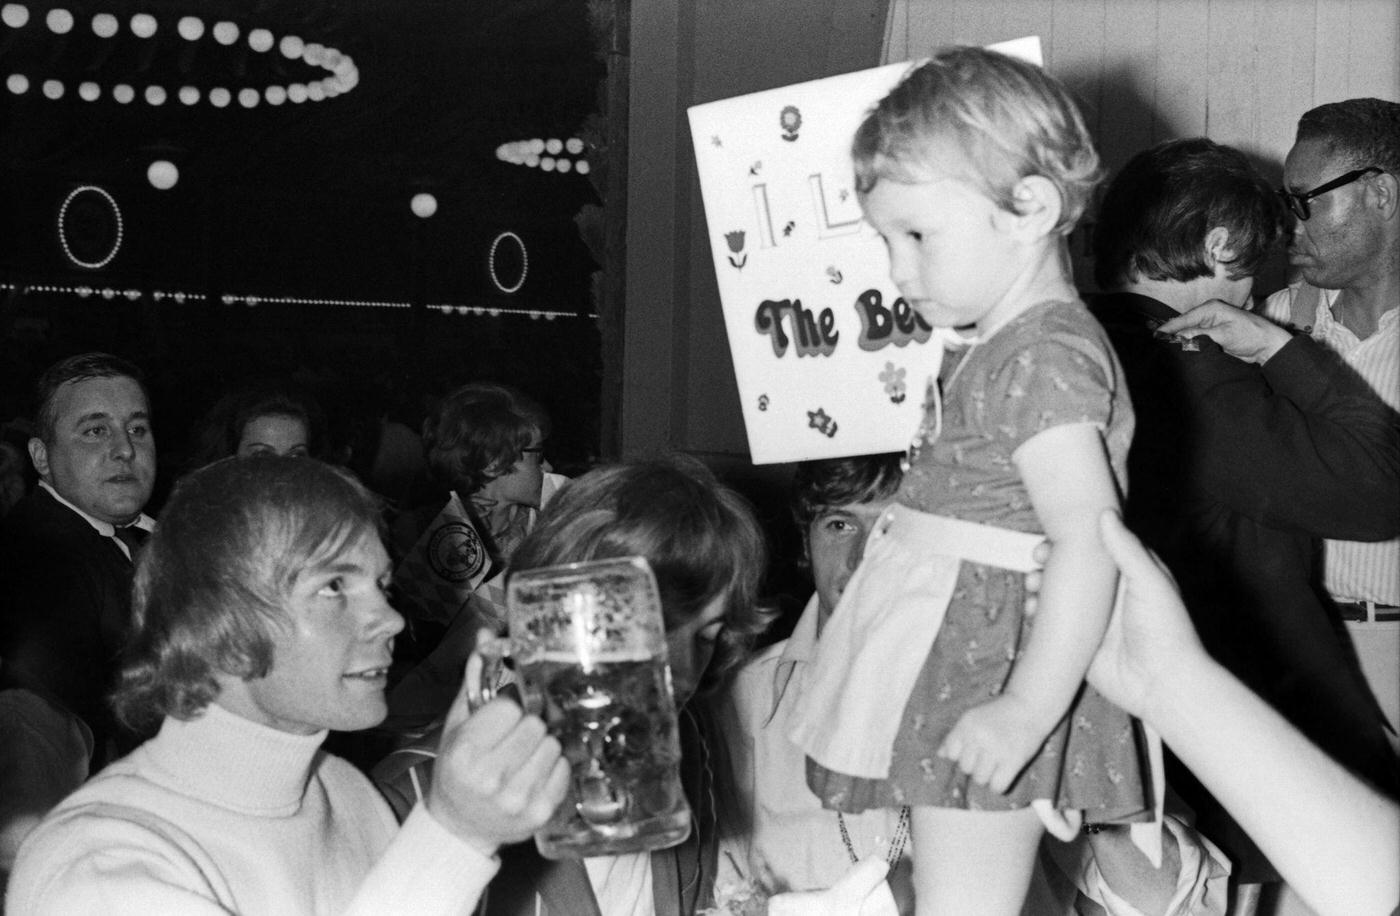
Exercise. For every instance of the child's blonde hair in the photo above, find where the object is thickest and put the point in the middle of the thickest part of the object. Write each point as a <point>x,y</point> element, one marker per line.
<point>1009,118</point>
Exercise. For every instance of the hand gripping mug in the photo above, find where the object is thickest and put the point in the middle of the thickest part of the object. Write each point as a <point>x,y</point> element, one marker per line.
<point>589,645</point>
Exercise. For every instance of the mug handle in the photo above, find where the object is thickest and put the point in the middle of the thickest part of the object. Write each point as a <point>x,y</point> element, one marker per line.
<point>484,665</point>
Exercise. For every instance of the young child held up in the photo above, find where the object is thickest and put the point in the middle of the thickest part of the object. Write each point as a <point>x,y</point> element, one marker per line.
<point>932,687</point>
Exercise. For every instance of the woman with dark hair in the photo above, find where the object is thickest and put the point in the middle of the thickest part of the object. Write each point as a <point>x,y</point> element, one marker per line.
<point>484,445</point>
<point>708,553</point>
<point>262,419</point>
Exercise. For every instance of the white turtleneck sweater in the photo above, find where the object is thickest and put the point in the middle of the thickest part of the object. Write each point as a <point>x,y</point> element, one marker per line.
<point>222,815</point>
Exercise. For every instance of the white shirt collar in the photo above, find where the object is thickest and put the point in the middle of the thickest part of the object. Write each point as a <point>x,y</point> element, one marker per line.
<point>106,529</point>
<point>1323,317</point>
<point>798,649</point>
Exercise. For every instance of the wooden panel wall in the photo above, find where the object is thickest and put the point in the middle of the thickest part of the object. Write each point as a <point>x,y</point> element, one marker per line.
<point>1237,71</point>
<point>678,387</point>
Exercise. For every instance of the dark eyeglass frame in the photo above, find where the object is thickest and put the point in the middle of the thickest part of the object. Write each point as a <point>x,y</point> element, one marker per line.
<point>1298,203</point>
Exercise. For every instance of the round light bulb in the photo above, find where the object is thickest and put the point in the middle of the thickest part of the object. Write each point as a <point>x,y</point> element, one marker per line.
<point>547,164</point>
<point>219,97</point>
<point>191,28</point>
<point>574,145</point>
<point>14,15</point>
<point>248,97</point>
<point>53,89</point>
<point>189,95</point>
<point>143,25</point>
<point>104,25</point>
<point>291,46</point>
<point>17,83</point>
<point>225,33</point>
<point>296,93</point>
<point>60,21</point>
<point>537,146</point>
<point>563,165</point>
<point>123,93</point>
<point>315,91</point>
<point>313,53</point>
<point>275,94</point>
<point>155,95</point>
<point>554,146</point>
<point>89,91</point>
<point>583,168</point>
<point>260,40</point>
<point>162,174</point>
<point>423,205</point>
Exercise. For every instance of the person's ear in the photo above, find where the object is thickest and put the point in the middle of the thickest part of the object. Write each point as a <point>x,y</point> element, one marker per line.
<point>1038,205</point>
<point>39,454</point>
<point>1385,192</point>
<point>1217,247</point>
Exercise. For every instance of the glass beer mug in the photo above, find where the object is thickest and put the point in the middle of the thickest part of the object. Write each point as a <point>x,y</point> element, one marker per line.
<point>589,645</point>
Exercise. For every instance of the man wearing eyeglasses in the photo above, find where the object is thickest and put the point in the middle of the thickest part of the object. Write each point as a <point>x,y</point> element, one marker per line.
<point>1251,445</point>
<point>1342,184</point>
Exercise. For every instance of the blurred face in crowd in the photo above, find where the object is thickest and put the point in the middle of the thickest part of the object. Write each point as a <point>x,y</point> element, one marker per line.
<point>523,483</point>
<point>331,655</point>
<point>1341,244</point>
<point>835,544</point>
<point>276,434</point>
<point>103,455</point>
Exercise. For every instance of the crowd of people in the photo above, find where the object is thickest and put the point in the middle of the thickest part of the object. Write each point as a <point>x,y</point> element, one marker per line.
<point>1149,515</point>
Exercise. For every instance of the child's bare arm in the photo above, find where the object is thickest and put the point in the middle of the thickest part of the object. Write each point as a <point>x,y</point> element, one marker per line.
<point>1067,475</point>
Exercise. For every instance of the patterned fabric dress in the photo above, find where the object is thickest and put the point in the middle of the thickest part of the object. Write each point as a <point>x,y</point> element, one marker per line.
<point>1049,366</point>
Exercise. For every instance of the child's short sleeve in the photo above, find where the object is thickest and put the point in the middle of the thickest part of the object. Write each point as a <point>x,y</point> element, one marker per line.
<point>1055,379</point>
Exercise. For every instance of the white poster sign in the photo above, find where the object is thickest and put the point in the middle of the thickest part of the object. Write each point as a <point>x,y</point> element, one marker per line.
<point>830,360</point>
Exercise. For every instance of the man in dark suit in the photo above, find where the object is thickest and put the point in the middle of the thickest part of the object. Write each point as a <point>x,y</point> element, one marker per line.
<point>67,549</point>
<point>1251,445</point>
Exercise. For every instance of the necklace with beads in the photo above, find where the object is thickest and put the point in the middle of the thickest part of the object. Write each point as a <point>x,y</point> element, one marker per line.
<point>933,401</point>
<point>901,836</point>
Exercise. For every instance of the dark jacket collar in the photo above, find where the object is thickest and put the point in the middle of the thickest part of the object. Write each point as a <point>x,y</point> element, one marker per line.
<point>1107,306</point>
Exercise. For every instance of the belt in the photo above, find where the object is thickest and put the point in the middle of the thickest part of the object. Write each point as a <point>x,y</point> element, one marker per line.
<point>1368,611</point>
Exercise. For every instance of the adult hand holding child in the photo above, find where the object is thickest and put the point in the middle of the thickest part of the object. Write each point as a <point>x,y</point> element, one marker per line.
<point>1331,836</point>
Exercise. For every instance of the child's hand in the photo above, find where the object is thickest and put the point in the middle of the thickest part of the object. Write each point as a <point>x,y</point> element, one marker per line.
<point>993,742</point>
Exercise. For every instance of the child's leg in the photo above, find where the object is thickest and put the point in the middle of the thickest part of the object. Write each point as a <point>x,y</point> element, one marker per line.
<point>973,861</point>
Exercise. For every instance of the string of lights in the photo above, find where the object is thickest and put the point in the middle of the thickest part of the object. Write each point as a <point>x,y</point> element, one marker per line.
<point>181,297</point>
<point>546,155</point>
<point>342,73</point>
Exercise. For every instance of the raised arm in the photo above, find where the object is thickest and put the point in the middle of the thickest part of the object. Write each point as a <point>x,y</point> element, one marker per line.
<point>1332,837</point>
<point>1328,447</point>
<point>497,778</point>
<point>1066,473</point>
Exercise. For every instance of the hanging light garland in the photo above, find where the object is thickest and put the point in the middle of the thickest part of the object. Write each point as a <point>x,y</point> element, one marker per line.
<point>116,214</point>
<point>508,287</point>
<point>552,155</point>
<point>180,297</point>
<point>342,73</point>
